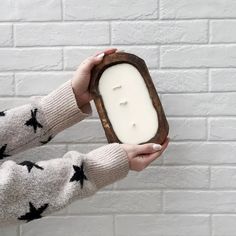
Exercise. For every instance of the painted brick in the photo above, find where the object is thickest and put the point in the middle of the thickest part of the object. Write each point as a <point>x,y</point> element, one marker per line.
<point>26,10</point>
<point>57,34</point>
<point>84,148</point>
<point>159,32</point>
<point>223,177</point>
<point>6,36</point>
<point>70,225</point>
<point>203,56</point>
<point>204,104</point>
<point>167,177</point>
<point>200,153</point>
<point>7,85</point>
<point>30,59</point>
<point>222,129</point>
<point>187,128</point>
<point>32,84</point>
<point>223,225</point>
<point>73,56</point>
<point>114,9</point>
<point>159,225</point>
<point>9,230</point>
<point>8,103</point>
<point>118,202</point>
<point>189,47</point>
<point>200,201</point>
<point>226,26</point>
<point>47,152</point>
<point>85,132</point>
<point>185,9</point>
<point>223,80</point>
<point>180,81</point>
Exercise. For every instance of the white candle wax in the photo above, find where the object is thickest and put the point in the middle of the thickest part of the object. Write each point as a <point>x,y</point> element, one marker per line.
<point>128,104</point>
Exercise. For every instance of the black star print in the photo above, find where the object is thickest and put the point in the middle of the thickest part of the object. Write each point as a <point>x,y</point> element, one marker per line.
<point>34,213</point>
<point>2,152</point>
<point>30,165</point>
<point>47,141</point>
<point>33,121</point>
<point>2,113</point>
<point>79,175</point>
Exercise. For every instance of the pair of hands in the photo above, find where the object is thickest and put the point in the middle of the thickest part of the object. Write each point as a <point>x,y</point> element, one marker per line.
<point>139,156</point>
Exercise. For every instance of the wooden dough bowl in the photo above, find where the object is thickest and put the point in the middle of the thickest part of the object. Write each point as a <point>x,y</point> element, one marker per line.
<point>139,64</point>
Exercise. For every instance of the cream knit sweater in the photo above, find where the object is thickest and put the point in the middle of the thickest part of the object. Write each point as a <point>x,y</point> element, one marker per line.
<point>29,190</point>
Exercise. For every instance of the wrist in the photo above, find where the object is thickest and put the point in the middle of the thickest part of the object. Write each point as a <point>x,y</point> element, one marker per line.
<point>107,164</point>
<point>60,109</point>
<point>79,98</point>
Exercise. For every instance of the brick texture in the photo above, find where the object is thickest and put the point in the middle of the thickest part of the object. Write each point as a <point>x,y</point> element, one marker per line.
<point>190,50</point>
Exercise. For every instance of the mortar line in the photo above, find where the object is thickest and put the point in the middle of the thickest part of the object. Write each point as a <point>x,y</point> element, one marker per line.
<point>62,10</point>
<point>114,224</point>
<point>211,226</point>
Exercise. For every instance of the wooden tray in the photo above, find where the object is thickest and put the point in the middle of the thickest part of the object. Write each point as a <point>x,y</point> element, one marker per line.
<point>139,64</point>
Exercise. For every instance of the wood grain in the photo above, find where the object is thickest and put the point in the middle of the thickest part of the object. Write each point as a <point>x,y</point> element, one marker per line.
<point>117,58</point>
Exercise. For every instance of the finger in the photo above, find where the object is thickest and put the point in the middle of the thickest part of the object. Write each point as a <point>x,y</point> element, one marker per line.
<point>90,62</point>
<point>110,51</point>
<point>99,56</point>
<point>147,148</point>
<point>147,159</point>
<point>141,162</point>
<point>94,60</point>
<point>107,51</point>
<point>165,144</point>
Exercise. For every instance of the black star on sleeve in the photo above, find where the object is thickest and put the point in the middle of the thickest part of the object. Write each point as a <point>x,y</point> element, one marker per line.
<point>30,165</point>
<point>2,152</point>
<point>33,213</point>
<point>2,113</point>
<point>79,175</point>
<point>33,121</point>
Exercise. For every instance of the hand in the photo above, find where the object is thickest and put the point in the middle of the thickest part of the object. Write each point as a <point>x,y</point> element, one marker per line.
<point>140,156</point>
<point>81,78</point>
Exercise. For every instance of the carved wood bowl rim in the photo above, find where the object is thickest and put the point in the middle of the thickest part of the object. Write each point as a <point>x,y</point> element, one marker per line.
<point>140,65</point>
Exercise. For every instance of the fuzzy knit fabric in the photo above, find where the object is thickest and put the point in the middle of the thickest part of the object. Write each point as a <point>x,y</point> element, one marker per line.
<point>28,190</point>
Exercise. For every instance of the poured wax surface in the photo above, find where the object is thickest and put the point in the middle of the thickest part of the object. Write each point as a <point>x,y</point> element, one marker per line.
<point>128,104</point>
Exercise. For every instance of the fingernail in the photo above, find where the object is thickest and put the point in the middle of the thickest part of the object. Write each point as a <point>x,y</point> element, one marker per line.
<point>157,147</point>
<point>101,55</point>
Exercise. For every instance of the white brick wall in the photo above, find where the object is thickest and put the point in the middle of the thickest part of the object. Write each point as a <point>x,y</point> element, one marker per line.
<point>190,49</point>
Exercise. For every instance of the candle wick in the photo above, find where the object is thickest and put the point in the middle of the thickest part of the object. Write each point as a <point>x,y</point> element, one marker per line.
<point>123,103</point>
<point>133,124</point>
<point>117,87</point>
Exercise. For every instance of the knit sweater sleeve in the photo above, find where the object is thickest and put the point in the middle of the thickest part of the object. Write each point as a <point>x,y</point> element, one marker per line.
<point>29,191</point>
<point>37,123</point>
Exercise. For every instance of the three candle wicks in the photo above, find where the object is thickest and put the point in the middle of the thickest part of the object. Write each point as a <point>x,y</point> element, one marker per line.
<point>123,102</point>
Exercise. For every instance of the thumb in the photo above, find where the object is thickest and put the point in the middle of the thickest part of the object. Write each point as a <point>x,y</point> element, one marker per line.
<point>147,148</point>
